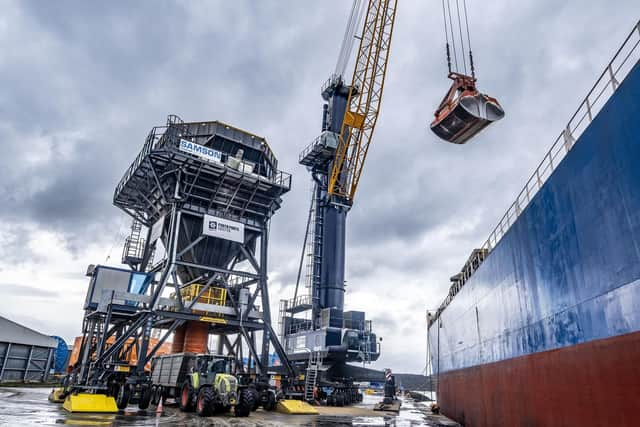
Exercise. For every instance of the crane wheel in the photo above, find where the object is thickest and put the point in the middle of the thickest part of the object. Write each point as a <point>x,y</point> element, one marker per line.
<point>270,403</point>
<point>145,397</point>
<point>331,400</point>
<point>124,393</point>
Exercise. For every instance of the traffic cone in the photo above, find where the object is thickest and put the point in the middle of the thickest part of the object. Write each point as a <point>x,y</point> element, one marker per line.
<point>159,407</point>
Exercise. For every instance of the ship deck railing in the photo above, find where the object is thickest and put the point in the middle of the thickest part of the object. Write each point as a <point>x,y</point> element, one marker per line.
<point>624,60</point>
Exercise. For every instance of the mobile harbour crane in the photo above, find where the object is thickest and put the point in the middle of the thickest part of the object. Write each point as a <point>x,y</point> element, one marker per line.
<point>315,330</point>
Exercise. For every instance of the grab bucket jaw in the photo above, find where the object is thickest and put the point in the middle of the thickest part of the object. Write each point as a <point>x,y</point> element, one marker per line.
<point>464,111</point>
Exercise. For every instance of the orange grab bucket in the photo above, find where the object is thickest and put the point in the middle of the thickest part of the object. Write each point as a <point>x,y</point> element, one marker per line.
<point>464,111</point>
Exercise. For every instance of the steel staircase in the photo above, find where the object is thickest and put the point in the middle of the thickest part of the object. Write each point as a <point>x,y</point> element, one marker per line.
<point>311,376</point>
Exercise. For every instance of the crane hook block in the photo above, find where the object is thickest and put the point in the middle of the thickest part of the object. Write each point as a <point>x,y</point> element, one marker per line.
<point>464,111</point>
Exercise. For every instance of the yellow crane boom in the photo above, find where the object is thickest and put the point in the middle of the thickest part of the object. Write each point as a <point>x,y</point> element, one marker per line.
<point>365,96</point>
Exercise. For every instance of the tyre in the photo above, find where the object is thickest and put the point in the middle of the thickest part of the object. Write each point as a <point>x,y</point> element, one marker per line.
<point>204,403</point>
<point>113,390</point>
<point>331,400</point>
<point>155,395</point>
<point>245,404</point>
<point>122,398</point>
<point>256,397</point>
<point>340,399</point>
<point>145,397</point>
<point>270,402</point>
<point>186,397</point>
<point>347,398</point>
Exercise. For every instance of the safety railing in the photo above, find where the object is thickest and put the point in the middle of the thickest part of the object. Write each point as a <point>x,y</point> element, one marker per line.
<point>214,295</point>
<point>282,179</point>
<point>133,248</point>
<point>334,80</point>
<point>624,60</point>
<point>622,63</point>
<point>300,326</point>
<point>301,300</point>
<point>309,148</point>
<point>160,135</point>
<point>150,143</point>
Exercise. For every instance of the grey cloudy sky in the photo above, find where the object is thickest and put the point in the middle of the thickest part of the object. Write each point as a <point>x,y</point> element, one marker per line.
<point>84,81</point>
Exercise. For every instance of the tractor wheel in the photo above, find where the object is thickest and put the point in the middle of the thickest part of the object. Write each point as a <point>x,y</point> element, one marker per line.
<point>204,404</point>
<point>270,403</point>
<point>245,404</point>
<point>256,397</point>
<point>145,397</point>
<point>122,398</point>
<point>186,397</point>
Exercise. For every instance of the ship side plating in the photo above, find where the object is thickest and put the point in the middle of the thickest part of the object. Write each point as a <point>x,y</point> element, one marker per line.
<point>548,322</point>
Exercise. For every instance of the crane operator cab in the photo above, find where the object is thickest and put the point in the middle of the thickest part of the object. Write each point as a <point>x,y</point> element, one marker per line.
<point>464,111</point>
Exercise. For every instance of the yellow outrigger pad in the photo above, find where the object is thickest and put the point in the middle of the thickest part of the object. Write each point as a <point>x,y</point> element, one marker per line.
<point>56,395</point>
<point>298,407</point>
<point>85,402</point>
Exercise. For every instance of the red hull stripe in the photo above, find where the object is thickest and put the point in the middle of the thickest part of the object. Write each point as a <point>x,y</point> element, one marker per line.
<point>591,384</point>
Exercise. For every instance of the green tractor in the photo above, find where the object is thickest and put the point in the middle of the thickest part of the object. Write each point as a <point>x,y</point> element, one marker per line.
<point>201,382</point>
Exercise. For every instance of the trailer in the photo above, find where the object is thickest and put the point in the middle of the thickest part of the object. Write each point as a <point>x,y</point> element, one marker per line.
<point>200,382</point>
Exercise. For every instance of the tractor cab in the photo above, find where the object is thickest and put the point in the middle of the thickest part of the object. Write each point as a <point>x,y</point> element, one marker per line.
<point>219,366</point>
<point>212,364</point>
<point>464,111</point>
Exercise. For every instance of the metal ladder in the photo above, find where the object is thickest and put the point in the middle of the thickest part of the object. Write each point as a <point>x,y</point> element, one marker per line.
<point>317,246</point>
<point>133,244</point>
<point>311,376</point>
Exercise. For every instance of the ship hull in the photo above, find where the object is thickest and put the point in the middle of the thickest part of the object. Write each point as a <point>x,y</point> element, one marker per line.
<point>546,330</point>
<point>590,384</point>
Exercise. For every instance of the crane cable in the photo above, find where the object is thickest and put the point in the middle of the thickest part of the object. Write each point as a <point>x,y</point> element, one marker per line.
<point>446,36</point>
<point>451,36</point>
<point>357,12</point>
<point>464,61</point>
<point>466,20</point>
<point>453,39</point>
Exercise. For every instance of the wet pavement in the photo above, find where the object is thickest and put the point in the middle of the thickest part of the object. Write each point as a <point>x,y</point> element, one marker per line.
<point>29,406</point>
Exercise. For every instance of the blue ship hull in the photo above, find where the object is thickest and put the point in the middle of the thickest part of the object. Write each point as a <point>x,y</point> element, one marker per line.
<point>554,309</point>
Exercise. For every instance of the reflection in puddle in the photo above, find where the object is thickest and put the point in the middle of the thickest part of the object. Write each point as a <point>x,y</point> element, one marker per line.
<point>29,406</point>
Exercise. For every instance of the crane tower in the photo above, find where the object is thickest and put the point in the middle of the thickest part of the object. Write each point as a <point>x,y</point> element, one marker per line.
<point>315,326</point>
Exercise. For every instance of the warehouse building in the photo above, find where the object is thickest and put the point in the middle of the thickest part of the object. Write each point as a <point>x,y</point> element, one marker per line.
<point>25,355</point>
